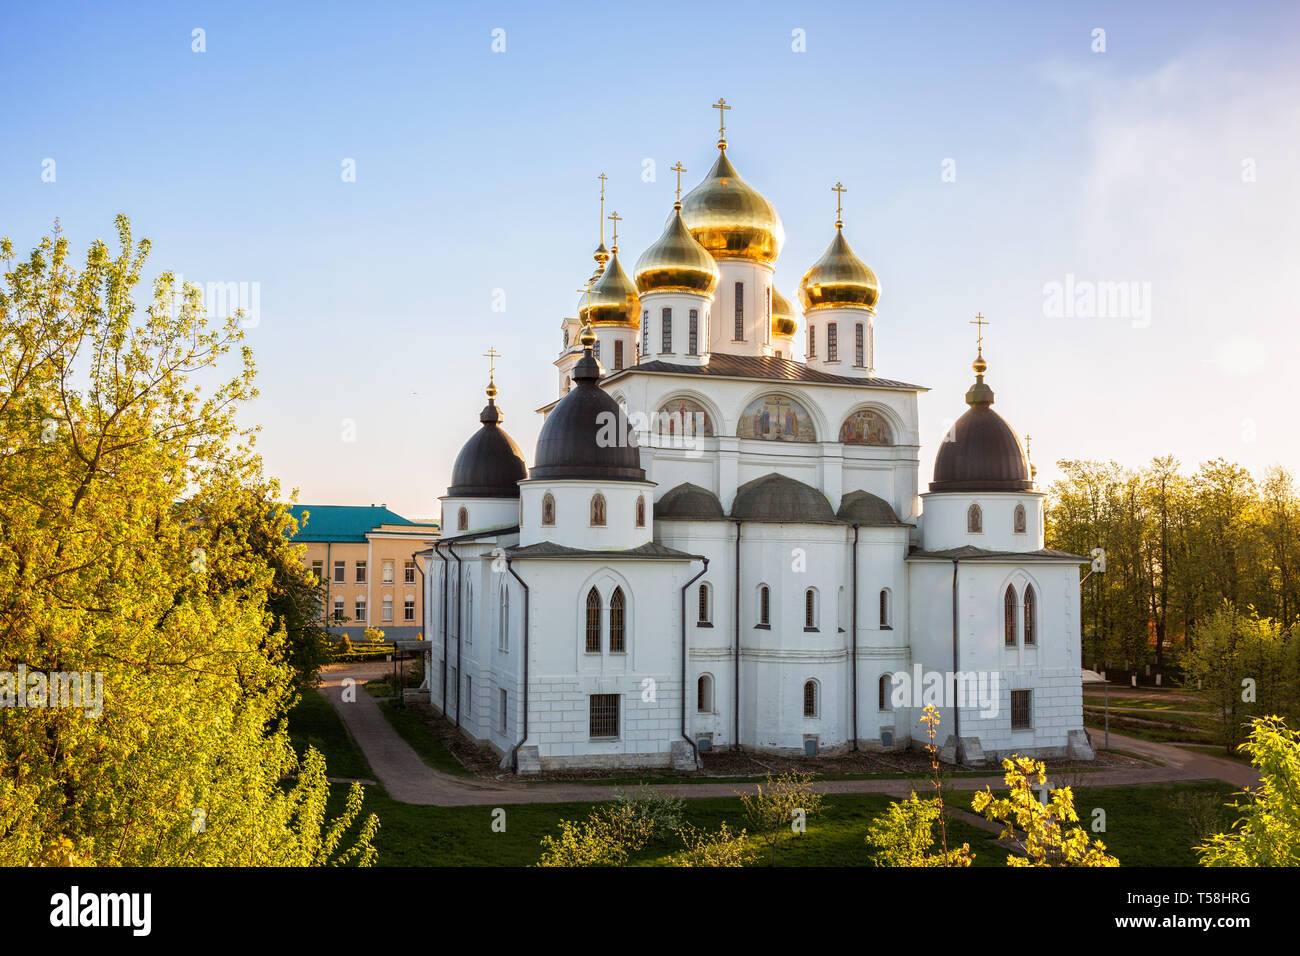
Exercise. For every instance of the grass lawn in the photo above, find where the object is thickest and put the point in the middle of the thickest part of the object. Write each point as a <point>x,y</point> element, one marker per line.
<point>412,728</point>
<point>313,722</point>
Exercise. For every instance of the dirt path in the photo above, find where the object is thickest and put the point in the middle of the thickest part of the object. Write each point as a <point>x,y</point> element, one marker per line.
<point>409,779</point>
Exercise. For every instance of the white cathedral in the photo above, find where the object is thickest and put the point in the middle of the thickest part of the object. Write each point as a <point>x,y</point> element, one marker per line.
<point>720,544</point>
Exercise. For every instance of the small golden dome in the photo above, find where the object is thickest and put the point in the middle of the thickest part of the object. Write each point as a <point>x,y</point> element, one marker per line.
<point>676,262</point>
<point>784,321</point>
<point>980,365</point>
<point>613,299</point>
<point>839,280</point>
<point>730,218</point>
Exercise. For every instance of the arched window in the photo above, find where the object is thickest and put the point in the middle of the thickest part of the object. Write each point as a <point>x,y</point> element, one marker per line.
<point>598,510</point>
<point>1030,607</point>
<point>704,605</point>
<point>810,698</point>
<point>810,609</point>
<point>640,511</point>
<point>1009,615</point>
<point>764,606</point>
<point>548,510</point>
<point>617,625</point>
<point>886,689</point>
<point>974,520</point>
<point>566,383</point>
<point>593,621</point>
<point>1019,522</point>
<point>884,609</point>
<point>704,694</point>
<point>462,520</point>
<point>566,336</point>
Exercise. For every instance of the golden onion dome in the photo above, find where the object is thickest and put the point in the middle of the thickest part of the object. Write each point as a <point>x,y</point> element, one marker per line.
<point>839,279</point>
<point>613,299</point>
<point>730,218</point>
<point>784,321</point>
<point>676,262</point>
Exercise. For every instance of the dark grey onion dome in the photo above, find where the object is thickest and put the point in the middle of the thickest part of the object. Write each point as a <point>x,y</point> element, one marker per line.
<point>777,498</point>
<point>866,510</point>
<point>490,465</point>
<point>983,452</point>
<point>689,502</point>
<point>586,435</point>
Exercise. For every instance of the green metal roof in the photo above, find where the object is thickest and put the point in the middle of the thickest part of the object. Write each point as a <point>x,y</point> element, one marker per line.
<point>341,522</point>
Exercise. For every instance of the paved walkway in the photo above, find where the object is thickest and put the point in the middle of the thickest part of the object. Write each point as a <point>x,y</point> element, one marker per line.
<point>409,779</point>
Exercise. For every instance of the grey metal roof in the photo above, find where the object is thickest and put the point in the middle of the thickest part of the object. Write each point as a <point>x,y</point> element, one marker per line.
<point>653,550</point>
<point>691,502</point>
<point>779,498</point>
<point>724,365</point>
<point>867,510</point>
<point>968,553</point>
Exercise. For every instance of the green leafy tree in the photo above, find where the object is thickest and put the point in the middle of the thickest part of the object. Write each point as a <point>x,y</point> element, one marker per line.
<point>1039,830</point>
<point>1268,831</point>
<point>123,489</point>
<point>780,807</point>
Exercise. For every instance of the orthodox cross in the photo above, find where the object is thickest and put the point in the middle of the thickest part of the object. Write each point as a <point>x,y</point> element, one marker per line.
<point>979,322</point>
<point>615,218</point>
<point>678,169</point>
<point>492,355</point>
<point>721,106</point>
<point>602,177</point>
<point>839,191</point>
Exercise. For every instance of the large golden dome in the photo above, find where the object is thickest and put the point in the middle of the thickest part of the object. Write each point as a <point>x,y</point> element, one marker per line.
<point>839,280</point>
<point>784,321</point>
<point>676,262</point>
<point>730,218</point>
<point>613,299</point>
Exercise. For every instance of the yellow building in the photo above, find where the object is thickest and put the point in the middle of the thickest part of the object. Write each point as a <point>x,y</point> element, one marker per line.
<point>365,560</point>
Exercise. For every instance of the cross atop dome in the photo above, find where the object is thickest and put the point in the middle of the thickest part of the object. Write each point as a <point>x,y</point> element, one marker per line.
<point>722,107</point>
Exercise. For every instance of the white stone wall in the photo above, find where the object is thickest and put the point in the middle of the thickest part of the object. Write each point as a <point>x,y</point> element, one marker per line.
<point>944,524</point>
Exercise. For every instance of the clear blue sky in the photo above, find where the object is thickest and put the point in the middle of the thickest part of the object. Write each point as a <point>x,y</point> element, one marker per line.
<point>476,170</point>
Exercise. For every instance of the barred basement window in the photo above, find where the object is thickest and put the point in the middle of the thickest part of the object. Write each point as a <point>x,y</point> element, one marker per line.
<point>617,627</point>
<point>1022,709</point>
<point>859,348</point>
<point>1030,636</point>
<point>618,355</point>
<point>810,698</point>
<point>603,715</point>
<point>1018,524</point>
<point>666,329</point>
<point>740,311</point>
<point>832,342</point>
<point>593,621</point>
<point>1009,616</point>
<point>693,333</point>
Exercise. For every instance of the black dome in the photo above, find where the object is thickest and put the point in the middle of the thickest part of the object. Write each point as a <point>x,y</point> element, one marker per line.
<point>781,499</point>
<point>586,435</point>
<point>982,452</point>
<point>490,464</point>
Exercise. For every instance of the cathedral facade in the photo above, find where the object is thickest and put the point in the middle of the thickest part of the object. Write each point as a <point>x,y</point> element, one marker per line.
<point>721,543</point>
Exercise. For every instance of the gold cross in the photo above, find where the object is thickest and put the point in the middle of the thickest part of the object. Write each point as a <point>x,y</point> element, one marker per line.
<point>721,106</point>
<point>492,355</point>
<point>678,169</point>
<point>602,177</point>
<point>839,191</point>
<point>979,322</point>
<point>615,218</point>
